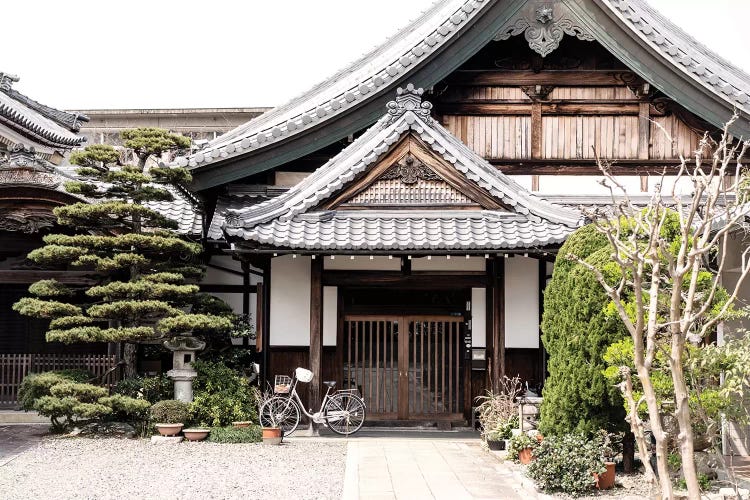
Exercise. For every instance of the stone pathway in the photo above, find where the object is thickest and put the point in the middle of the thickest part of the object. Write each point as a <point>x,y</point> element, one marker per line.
<point>17,438</point>
<point>398,468</point>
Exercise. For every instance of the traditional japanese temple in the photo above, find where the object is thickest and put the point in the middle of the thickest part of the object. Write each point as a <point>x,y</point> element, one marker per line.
<point>405,235</point>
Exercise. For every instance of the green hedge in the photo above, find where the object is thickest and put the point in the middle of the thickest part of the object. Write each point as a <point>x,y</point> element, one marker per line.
<point>252,434</point>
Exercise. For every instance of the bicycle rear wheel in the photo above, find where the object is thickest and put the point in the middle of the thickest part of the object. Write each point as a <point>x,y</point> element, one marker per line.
<point>280,411</point>
<point>345,413</point>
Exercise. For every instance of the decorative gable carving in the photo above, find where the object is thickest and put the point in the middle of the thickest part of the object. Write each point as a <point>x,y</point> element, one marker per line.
<point>411,176</point>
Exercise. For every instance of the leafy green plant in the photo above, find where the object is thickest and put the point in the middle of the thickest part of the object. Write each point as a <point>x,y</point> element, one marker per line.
<point>252,434</point>
<point>703,480</point>
<point>504,430</point>
<point>36,385</point>
<point>221,396</point>
<point>521,442</point>
<point>152,389</point>
<point>170,411</point>
<point>567,463</point>
<point>494,409</point>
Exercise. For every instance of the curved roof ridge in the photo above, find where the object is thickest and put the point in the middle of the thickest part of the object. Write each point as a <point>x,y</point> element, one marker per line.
<point>367,76</point>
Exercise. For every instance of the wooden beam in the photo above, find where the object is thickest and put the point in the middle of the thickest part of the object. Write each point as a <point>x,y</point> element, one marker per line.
<point>416,280</point>
<point>552,108</point>
<point>316,330</point>
<point>219,288</point>
<point>547,77</point>
<point>567,166</point>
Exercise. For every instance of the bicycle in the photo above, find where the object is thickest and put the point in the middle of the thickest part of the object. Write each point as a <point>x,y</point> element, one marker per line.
<point>343,411</point>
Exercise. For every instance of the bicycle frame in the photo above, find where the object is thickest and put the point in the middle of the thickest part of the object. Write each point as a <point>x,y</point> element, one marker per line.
<point>316,417</point>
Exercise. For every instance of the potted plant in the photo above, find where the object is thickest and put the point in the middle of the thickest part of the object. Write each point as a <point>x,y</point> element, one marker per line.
<point>271,427</point>
<point>521,447</point>
<point>606,480</point>
<point>496,409</point>
<point>196,434</point>
<point>169,416</point>
<point>497,438</point>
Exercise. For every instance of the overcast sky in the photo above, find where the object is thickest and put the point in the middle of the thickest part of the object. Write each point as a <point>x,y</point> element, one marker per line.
<point>84,54</point>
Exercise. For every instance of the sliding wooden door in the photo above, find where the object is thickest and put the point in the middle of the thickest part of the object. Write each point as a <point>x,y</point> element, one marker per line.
<point>406,367</point>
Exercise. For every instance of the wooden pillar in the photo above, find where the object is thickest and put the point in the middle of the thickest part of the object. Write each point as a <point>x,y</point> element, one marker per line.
<point>496,319</point>
<point>536,138</point>
<point>316,330</point>
<point>245,296</point>
<point>644,138</point>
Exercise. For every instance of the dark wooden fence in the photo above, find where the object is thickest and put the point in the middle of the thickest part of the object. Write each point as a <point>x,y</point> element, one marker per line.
<point>14,367</point>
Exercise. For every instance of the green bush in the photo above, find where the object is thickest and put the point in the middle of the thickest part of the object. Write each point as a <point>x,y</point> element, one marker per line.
<point>252,434</point>
<point>152,389</point>
<point>221,396</point>
<point>170,411</point>
<point>504,430</point>
<point>567,463</point>
<point>126,408</point>
<point>36,385</point>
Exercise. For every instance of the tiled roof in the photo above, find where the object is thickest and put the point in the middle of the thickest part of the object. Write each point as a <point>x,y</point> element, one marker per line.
<point>41,123</point>
<point>183,211</point>
<point>288,218</point>
<point>363,230</point>
<point>402,54</point>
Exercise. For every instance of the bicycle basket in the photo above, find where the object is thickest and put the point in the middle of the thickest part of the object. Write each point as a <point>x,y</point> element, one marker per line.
<point>282,384</point>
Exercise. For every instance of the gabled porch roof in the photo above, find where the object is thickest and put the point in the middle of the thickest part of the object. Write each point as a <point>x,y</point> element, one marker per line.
<point>312,216</point>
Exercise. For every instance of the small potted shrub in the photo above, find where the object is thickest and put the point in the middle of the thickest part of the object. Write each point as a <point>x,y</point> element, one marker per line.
<point>496,409</point>
<point>606,480</point>
<point>272,433</point>
<point>497,438</point>
<point>195,434</point>
<point>521,447</point>
<point>169,416</point>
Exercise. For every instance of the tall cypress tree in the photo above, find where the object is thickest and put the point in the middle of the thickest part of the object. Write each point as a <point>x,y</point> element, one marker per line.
<point>143,267</point>
<point>576,332</point>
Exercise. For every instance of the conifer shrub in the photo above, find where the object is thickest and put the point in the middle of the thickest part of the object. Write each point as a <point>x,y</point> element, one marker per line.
<point>576,332</point>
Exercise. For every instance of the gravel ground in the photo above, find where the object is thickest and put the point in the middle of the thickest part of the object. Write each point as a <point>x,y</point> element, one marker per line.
<point>81,468</point>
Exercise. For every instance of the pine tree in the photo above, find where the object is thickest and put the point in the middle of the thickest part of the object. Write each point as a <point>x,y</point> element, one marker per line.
<point>576,331</point>
<point>143,266</point>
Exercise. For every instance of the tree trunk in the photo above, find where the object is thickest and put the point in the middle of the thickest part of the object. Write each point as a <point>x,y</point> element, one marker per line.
<point>130,356</point>
<point>665,482</point>
<point>628,452</point>
<point>682,414</point>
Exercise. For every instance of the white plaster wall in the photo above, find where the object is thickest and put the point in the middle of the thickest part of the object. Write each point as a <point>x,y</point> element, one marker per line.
<point>330,314</point>
<point>584,184</point>
<point>478,317</point>
<point>521,303</point>
<point>362,263</point>
<point>290,301</point>
<point>441,263</point>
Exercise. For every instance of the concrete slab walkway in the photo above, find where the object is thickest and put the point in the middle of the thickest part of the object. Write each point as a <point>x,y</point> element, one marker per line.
<point>425,468</point>
<point>17,438</point>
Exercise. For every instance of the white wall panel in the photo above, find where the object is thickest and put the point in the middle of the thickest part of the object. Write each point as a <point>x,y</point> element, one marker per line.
<point>455,263</point>
<point>330,314</point>
<point>521,303</point>
<point>478,317</point>
<point>362,262</point>
<point>290,301</point>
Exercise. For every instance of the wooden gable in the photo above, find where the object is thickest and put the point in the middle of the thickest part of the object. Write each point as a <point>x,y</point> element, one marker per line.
<point>412,176</point>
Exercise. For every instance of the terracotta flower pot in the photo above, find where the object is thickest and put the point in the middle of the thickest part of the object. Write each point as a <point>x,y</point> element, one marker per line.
<point>525,456</point>
<point>271,435</point>
<point>242,423</point>
<point>606,480</point>
<point>196,434</point>
<point>169,429</point>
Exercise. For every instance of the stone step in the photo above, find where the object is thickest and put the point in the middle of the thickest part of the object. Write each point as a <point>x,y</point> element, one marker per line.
<point>21,417</point>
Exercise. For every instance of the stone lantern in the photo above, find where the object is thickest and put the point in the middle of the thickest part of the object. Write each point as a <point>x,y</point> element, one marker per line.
<point>183,350</point>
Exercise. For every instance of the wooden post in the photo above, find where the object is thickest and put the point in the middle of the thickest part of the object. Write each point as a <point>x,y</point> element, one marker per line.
<point>245,296</point>
<point>644,138</point>
<point>536,139</point>
<point>316,329</point>
<point>496,319</point>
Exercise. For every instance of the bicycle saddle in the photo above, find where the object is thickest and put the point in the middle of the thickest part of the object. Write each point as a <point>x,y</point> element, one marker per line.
<point>330,383</point>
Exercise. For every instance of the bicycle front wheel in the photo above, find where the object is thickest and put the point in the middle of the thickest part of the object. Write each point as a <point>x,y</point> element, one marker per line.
<point>345,413</point>
<point>280,411</point>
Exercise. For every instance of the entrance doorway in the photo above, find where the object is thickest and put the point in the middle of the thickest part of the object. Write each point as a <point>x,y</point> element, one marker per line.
<point>406,366</point>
